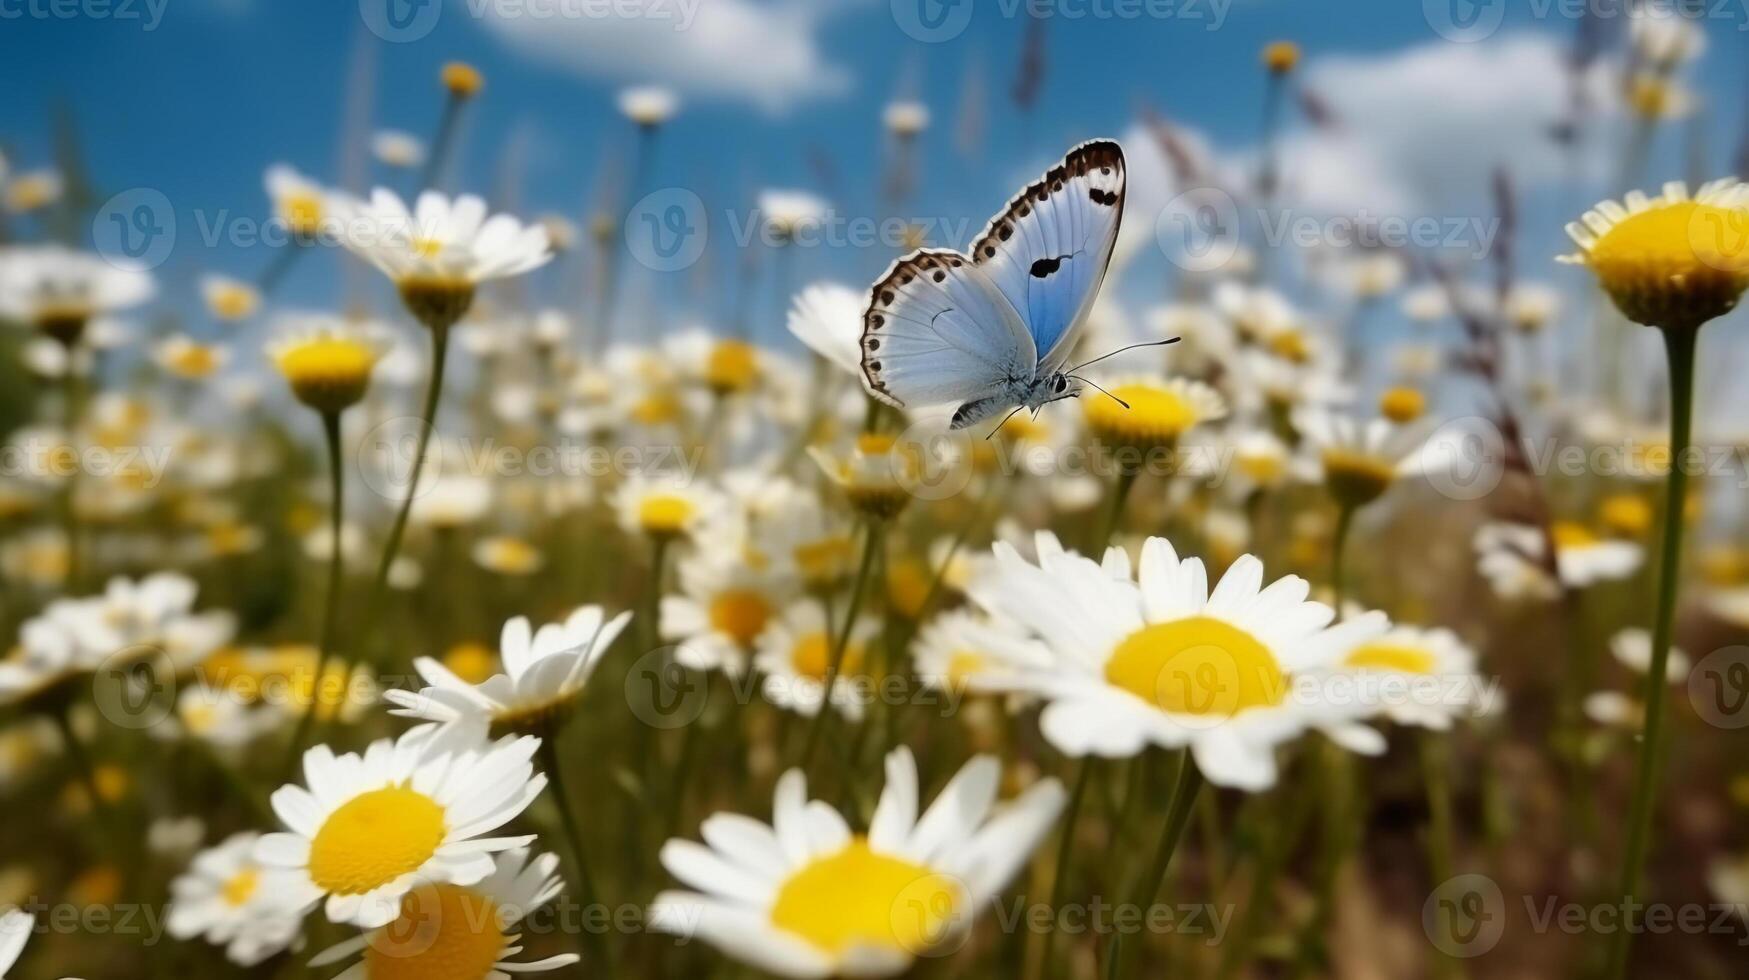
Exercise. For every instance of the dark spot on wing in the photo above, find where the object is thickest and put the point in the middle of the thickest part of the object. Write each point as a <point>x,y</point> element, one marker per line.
<point>1045,267</point>
<point>1107,198</point>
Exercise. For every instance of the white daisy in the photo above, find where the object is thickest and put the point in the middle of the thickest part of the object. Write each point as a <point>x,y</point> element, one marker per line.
<point>441,241</point>
<point>665,505</point>
<point>807,897</point>
<point>1359,459</point>
<point>456,931</point>
<point>59,290</point>
<point>648,105</point>
<point>397,148</point>
<point>1420,677</point>
<point>1511,557</point>
<point>964,650</point>
<point>231,900</point>
<point>725,604</point>
<point>370,827</point>
<point>301,204</point>
<point>787,213</point>
<point>827,317</point>
<point>1160,659</point>
<point>795,654</point>
<point>544,671</point>
<point>1632,648</point>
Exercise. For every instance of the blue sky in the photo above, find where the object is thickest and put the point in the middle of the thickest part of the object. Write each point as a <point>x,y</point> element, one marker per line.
<point>198,106</point>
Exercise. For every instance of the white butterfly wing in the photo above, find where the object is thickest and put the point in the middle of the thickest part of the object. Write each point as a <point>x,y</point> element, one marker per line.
<point>1049,249</point>
<point>937,330</point>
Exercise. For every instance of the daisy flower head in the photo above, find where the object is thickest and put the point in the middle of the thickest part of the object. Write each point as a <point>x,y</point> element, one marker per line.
<point>1280,57</point>
<point>60,291</point>
<point>1149,412</point>
<point>397,148</point>
<point>963,650</point>
<point>665,506</point>
<point>1670,261</point>
<point>827,317</point>
<point>33,190</point>
<point>876,474</point>
<point>461,80</point>
<point>795,654</point>
<point>368,828</point>
<point>228,898</point>
<point>807,897</point>
<point>788,213</point>
<point>507,554</point>
<point>648,106</point>
<point>327,363</point>
<point>1158,658</point>
<point>458,932</point>
<point>905,118</point>
<point>544,672</point>
<point>229,299</point>
<point>725,603</point>
<point>438,252</point>
<point>1513,558</point>
<point>1632,649</point>
<point>725,365</point>
<point>1420,677</point>
<point>181,356</point>
<point>300,203</point>
<point>1359,459</point>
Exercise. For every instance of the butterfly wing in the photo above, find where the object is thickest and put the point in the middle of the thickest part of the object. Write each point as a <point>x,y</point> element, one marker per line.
<point>937,330</point>
<point>1048,250</point>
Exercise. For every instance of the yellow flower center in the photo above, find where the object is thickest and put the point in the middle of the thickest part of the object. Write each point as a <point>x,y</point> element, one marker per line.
<point>1570,534</point>
<point>857,897</point>
<point>1290,345</point>
<point>741,614</point>
<point>445,932</point>
<point>733,366</point>
<point>302,211</point>
<point>812,657</point>
<point>664,513</point>
<point>1626,513</point>
<point>193,360</point>
<point>1386,656</point>
<point>241,887</point>
<point>656,409</point>
<point>28,192</point>
<point>374,838</point>
<point>328,370</point>
<point>964,665</point>
<point>462,79</point>
<point>1280,57</point>
<point>1264,468</point>
<point>427,248</point>
<point>1198,665</point>
<point>1356,478</point>
<point>1156,415</point>
<point>511,556</point>
<point>471,662</point>
<point>1402,405</point>
<point>825,559</point>
<point>908,583</point>
<point>233,301</point>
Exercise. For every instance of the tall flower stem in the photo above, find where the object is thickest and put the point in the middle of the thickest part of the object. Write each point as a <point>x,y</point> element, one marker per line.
<point>591,942</point>
<point>1338,549</point>
<point>1120,495</point>
<point>70,488</point>
<point>1679,350</point>
<point>1065,849</point>
<point>427,422</point>
<point>331,603</point>
<point>1436,772</point>
<point>873,539</point>
<point>1184,793</point>
<point>441,143</point>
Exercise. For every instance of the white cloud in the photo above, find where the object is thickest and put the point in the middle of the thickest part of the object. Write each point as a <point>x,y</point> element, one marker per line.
<point>763,53</point>
<point>1420,129</point>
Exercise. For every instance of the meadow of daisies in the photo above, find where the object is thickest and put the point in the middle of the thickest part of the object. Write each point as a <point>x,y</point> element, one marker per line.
<point>478,635</point>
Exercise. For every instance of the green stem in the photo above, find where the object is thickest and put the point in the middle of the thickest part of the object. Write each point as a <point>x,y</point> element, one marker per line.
<point>1436,771</point>
<point>331,604</point>
<point>70,487</point>
<point>590,940</point>
<point>1339,564</point>
<point>1120,494</point>
<point>871,544</point>
<point>1679,349</point>
<point>427,422</point>
<point>1060,877</point>
<point>1281,836</point>
<point>1184,794</point>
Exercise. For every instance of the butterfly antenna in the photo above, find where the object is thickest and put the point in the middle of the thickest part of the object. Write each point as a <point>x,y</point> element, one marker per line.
<point>1002,423</point>
<point>1108,394</point>
<point>1120,350</point>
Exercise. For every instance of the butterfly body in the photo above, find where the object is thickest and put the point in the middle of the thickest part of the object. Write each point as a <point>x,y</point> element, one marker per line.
<point>991,330</point>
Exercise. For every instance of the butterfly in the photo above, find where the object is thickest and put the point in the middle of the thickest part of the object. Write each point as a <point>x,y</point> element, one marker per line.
<point>993,329</point>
